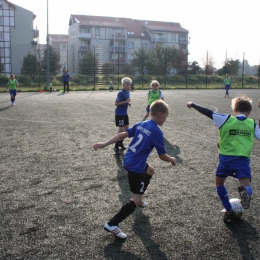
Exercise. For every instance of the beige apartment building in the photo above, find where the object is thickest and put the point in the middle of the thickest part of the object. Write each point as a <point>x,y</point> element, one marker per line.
<point>115,40</point>
<point>59,43</point>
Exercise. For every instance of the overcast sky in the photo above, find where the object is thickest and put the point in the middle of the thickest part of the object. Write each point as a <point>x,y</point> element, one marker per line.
<point>223,28</point>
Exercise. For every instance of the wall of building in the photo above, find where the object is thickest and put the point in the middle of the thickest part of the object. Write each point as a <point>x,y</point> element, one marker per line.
<point>21,37</point>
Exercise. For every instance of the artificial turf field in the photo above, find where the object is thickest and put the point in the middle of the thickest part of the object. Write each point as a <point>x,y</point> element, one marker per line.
<point>56,192</point>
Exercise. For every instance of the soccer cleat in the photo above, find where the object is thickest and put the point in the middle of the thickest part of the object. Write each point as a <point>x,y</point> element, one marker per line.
<point>245,197</point>
<point>13,104</point>
<point>144,204</point>
<point>122,146</point>
<point>115,230</point>
<point>116,149</point>
<point>229,215</point>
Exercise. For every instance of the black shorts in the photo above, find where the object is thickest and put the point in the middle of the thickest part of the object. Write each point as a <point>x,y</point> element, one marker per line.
<point>122,120</point>
<point>137,182</point>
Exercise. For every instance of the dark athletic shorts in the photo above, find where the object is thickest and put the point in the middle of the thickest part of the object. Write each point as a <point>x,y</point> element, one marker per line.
<point>137,181</point>
<point>122,120</point>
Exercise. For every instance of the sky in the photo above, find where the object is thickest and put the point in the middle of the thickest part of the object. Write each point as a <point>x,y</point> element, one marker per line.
<point>220,29</point>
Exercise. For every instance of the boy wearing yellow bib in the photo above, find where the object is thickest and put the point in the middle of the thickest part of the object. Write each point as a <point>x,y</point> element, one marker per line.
<point>153,95</point>
<point>13,85</point>
<point>236,139</point>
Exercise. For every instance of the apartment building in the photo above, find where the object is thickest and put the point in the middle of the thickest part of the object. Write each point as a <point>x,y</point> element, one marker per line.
<point>17,36</point>
<point>115,40</point>
<point>59,43</point>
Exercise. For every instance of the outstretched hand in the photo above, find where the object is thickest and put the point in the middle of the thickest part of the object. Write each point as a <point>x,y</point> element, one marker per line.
<point>98,145</point>
<point>189,104</point>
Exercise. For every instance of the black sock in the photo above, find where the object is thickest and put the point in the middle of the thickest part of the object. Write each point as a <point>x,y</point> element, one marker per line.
<point>123,213</point>
<point>147,181</point>
<point>117,144</point>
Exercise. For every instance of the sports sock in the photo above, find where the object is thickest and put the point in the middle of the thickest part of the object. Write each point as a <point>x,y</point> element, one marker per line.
<point>249,190</point>
<point>147,181</point>
<point>123,213</point>
<point>117,144</point>
<point>223,195</point>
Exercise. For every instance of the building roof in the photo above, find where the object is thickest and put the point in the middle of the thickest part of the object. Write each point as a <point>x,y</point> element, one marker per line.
<point>136,28</point>
<point>59,37</point>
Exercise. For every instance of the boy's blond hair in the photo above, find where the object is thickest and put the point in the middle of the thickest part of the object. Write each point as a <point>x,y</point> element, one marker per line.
<point>126,79</point>
<point>159,106</point>
<point>155,82</point>
<point>241,104</point>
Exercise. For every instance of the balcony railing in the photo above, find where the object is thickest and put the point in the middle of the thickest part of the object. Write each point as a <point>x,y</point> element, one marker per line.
<point>84,48</point>
<point>117,48</point>
<point>84,35</point>
<point>116,61</point>
<point>118,36</point>
<point>158,39</point>
<point>183,41</point>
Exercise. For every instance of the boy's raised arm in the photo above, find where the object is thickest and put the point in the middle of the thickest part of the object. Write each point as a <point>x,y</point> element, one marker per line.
<point>203,110</point>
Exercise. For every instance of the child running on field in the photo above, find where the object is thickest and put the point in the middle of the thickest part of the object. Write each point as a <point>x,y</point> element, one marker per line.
<point>146,135</point>
<point>236,137</point>
<point>153,94</point>
<point>121,117</point>
<point>111,86</point>
<point>13,85</point>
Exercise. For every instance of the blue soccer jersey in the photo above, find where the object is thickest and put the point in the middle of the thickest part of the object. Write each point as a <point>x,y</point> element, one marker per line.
<point>146,135</point>
<point>122,96</point>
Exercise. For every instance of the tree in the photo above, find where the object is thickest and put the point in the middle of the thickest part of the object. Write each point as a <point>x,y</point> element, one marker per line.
<point>140,60</point>
<point>258,71</point>
<point>88,64</point>
<point>30,65</point>
<point>208,63</point>
<point>194,68</point>
<point>54,59</point>
<point>230,67</point>
<point>108,68</point>
<point>160,60</point>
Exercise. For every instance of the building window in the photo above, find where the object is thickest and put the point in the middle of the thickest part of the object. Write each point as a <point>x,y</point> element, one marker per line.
<point>1,36</point>
<point>130,45</point>
<point>97,32</point>
<point>1,20</point>
<point>1,7</point>
<point>145,45</point>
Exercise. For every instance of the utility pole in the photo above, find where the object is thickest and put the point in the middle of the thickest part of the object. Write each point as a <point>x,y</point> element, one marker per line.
<point>48,49</point>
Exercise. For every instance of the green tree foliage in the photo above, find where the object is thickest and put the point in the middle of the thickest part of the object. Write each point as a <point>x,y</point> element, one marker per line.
<point>230,67</point>
<point>30,65</point>
<point>159,61</point>
<point>258,71</point>
<point>88,64</point>
<point>194,68</point>
<point>108,68</point>
<point>54,61</point>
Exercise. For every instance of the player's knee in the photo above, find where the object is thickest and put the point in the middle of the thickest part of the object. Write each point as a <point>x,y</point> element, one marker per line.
<point>150,170</point>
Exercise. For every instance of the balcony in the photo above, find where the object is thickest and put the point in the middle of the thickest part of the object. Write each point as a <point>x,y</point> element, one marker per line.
<point>84,48</point>
<point>158,39</point>
<point>183,41</point>
<point>84,35</point>
<point>117,48</point>
<point>116,61</point>
<point>118,36</point>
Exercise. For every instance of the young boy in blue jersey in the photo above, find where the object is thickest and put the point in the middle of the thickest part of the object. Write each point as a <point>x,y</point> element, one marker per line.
<point>146,136</point>
<point>121,117</point>
<point>153,94</point>
<point>236,138</point>
<point>13,85</point>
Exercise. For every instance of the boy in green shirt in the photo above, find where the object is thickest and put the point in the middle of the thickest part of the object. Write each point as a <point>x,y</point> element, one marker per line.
<point>13,86</point>
<point>153,95</point>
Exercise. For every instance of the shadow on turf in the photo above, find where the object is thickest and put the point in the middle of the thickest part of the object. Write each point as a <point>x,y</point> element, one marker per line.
<point>4,108</point>
<point>244,232</point>
<point>173,150</point>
